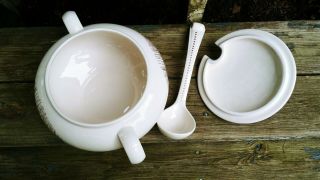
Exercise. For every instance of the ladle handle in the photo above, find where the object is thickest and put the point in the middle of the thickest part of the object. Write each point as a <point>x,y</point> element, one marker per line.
<point>72,22</point>
<point>195,37</point>
<point>131,145</point>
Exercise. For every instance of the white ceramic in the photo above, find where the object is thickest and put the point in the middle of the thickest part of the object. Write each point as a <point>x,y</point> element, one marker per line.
<point>101,87</point>
<point>251,80</point>
<point>176,122</point>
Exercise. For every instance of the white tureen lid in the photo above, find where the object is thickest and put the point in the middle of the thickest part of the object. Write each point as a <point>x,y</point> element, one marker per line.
<point>251,80</point>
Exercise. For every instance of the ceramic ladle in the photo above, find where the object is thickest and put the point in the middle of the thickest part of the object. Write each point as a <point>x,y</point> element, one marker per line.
<point>177,122</point>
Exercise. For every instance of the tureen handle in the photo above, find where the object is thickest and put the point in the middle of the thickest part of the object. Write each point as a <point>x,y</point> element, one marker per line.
<point>131,145</point>
<point>72,22</point>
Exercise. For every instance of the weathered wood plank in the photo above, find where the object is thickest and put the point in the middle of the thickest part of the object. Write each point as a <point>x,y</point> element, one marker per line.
<point>21,49</point>
<point>281,159</point>
<point>20,124</point>
<point>285,146</point>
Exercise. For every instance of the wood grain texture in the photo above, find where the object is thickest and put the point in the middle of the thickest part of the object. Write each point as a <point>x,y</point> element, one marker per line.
<point>286,146</point>
<point>177,160</point>
<point>20,124</point>
<point>21,49</point>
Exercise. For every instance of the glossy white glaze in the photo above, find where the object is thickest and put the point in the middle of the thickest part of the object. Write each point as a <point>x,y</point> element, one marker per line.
<point>115,65</point>
<point>246,77</point>
<point>251,80</point>
<point>96,77</point>
<point>176,122</point>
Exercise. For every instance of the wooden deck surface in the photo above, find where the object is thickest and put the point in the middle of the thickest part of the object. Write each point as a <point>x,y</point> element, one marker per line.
<point>285,146</point>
